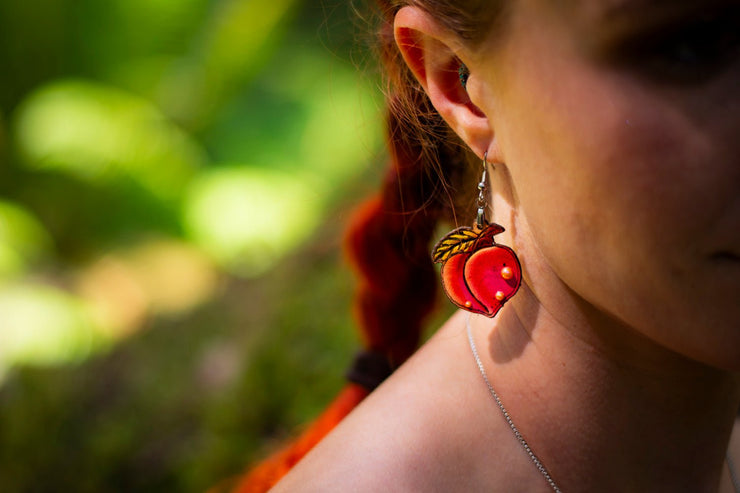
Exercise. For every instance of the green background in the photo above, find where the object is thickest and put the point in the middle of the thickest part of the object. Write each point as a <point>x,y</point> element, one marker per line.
<point>175,177</point>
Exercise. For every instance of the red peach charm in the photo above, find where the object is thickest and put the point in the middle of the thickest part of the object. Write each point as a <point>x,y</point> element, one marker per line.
<point>478,274</point>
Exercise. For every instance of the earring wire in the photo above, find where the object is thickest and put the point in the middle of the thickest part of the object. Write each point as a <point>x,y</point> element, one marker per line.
<point>480,221</point>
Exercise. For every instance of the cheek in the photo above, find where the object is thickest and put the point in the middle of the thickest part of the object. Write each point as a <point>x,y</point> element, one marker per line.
<point>635,178</point>
<point>619,187</point>
<point>595,174</point>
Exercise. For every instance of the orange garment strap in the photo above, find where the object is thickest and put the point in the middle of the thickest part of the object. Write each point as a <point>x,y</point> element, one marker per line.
<point>270,471</point>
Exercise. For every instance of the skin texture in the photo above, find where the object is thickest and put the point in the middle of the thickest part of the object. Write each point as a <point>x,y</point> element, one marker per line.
<point>631,193</point>
<point>617,176</point>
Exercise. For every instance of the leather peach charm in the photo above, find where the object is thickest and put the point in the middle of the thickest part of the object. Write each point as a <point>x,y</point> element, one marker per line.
<point>478,274</point>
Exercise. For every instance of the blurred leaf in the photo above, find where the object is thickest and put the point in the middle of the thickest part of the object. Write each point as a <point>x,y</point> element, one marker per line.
<point>43,325</point>
<point>261,128</point>
<point>247,218</point>
<point>343,131</point>
<point>99,133</point>
<point>86,218</point>
<point>23,240</point>
<point>129,31</point>
<point>156,277</point>
<point>314,116</point>
<point>237,39</point>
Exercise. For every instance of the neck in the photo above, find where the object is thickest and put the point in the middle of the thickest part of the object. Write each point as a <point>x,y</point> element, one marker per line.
<point>602,405</point>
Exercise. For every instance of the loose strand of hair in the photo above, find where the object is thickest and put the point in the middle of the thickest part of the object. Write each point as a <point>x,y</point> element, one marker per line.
<point>388,241</point>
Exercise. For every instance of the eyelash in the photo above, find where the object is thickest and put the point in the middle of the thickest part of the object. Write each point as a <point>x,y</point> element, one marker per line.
<point>690,53</point>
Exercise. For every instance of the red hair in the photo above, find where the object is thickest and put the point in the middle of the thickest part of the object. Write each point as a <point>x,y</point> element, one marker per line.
<point>388,243</point>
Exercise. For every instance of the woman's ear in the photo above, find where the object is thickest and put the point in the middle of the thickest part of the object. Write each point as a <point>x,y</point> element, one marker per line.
<point>430,51</point>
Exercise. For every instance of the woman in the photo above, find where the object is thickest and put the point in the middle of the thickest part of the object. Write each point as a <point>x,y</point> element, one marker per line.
<point>609,133</point>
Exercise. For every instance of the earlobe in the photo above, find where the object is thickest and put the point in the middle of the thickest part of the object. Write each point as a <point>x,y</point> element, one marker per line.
<point>430,51</point>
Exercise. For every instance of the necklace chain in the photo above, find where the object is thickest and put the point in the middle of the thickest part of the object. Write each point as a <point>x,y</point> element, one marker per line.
<point>540,466</point>
<point>507,416</point>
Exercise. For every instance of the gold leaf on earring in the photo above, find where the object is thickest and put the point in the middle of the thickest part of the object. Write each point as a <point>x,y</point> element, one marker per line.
<point>458,241</point>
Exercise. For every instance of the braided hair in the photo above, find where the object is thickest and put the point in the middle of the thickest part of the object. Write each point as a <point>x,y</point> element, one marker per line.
<point>389,238</point>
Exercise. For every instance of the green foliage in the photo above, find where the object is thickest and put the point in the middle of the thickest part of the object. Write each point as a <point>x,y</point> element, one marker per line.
<point>268,214</point>
<point>23,240</point>
<point>174,176</point>
<point>187,402</point>
<point>101,134</point>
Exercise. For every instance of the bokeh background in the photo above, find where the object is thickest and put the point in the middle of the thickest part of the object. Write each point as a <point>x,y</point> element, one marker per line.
<point>175,177</point>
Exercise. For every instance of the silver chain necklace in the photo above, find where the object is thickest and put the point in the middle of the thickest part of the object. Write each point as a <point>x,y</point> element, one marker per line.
<point>507,416</point>
<point>540,466</point>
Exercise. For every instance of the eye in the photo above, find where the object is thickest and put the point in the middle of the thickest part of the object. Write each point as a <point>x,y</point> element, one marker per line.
<point>690,52</point>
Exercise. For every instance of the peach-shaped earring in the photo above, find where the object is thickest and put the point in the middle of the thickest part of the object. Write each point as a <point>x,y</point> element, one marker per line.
<point>478,274</point>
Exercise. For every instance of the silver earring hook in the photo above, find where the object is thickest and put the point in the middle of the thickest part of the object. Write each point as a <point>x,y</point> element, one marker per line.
<point>480,221</point>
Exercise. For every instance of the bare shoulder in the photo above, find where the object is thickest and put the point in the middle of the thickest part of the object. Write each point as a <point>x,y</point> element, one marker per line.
<point>405,435</point>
